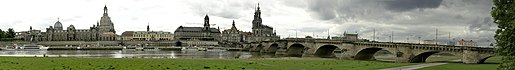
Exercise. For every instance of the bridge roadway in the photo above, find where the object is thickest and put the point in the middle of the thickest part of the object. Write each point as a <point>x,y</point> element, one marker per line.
<point>404,52</point>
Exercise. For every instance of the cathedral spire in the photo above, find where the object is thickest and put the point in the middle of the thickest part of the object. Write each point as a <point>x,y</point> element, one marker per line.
<point>148,26</point>
<point>206,22</point>
<point>105,8</point>
<point>258,6</point>
<point>256,22</point>
<point>233,25</point>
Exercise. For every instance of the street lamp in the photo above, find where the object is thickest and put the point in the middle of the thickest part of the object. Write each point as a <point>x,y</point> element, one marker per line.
<point>419,40</point>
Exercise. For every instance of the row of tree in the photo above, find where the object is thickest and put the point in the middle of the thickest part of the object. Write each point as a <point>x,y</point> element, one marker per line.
<point>503,13</point>
<point>7,35</point>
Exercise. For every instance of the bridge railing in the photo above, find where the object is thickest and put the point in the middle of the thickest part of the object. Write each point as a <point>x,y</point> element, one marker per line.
<point>426,46</point>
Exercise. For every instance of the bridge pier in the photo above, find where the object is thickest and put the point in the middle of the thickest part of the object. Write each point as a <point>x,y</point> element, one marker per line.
<point>403,54</point>
<point>474,56</point>
<point>470,57</point>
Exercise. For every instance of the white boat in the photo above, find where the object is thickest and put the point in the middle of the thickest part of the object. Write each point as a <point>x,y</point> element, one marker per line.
<point>201,49</point>
<point>193,49</point>
<point>33,47</point>
<point>188,49</point>
<point>139,48</point>
<point>26,47</point>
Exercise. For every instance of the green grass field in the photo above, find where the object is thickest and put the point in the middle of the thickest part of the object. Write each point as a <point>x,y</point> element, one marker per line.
<point>491,64</point>
<point>33,63</point>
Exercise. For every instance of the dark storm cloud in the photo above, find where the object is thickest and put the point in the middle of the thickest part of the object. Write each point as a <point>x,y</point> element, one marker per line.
<point>405,5</point>
<point>326,9</point>
<point>468,19</point>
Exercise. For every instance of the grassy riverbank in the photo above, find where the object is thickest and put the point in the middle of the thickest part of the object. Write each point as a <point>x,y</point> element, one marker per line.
<point>491,64</point>
<point>39,63</point>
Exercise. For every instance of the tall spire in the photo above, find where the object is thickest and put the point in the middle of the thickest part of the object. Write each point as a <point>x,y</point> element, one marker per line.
<point>232,22</point>
<point>258,6</point>
<point>105,8</point>
<point>148,26</point>
<point>233,25</point>
<point>256,22</point>
<point>206,22</point>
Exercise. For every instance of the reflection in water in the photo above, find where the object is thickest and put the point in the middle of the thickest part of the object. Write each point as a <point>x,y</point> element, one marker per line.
<point>141,54</point>
<point>127,54</point>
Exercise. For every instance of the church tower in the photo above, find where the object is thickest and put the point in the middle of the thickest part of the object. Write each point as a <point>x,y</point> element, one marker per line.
<point>206,22</point>
<point>106,25</point>
<point>148,27</point>
<point>233,26</point>
<point>257,22</point>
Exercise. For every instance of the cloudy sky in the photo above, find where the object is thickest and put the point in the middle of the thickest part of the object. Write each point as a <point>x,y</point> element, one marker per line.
<point>407,19</point>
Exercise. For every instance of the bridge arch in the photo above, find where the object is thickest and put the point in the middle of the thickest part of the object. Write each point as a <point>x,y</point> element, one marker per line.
<point>295,50</point>
<point>484,59</point>
<point>422,57</point>
<point>367,53</point>
<point>273,48</point>
<point>257,48</point>
<point>326,51</point>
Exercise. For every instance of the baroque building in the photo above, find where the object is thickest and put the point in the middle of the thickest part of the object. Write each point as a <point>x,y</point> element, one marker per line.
<point>232,35</point>
<point>261,32</point>
<point>102,31</point>
<point>198,36</point>
<point>205,33</point>
<point>146,35</point>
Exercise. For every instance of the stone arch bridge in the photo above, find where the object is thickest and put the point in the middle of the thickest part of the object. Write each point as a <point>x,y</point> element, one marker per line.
<point>404,52</point>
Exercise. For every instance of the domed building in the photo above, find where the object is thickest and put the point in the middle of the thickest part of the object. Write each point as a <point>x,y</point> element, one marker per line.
<point>102,31</point>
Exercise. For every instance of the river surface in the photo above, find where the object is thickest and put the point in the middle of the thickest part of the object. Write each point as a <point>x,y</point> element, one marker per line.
<point>138,54</point>
<point>127,54</point>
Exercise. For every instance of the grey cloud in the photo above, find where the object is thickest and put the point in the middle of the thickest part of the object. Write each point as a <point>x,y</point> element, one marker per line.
<point>406,5</point>
<point>313,29</point>
<point>482,24</point>
<point>408,17</point>
<point>232,10</point>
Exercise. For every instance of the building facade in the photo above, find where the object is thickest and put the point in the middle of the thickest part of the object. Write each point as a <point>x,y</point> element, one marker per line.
<point>232,35</point>
<point>466,43</point>
<point>261,32</point>
<point>146,36</point>
<point>102,31</point>
<point>205,33</point>
<point>198,36</point>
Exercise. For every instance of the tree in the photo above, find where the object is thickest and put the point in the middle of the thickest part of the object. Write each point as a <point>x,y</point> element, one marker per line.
<point>504,16</point>
<point>10,33</point>
<point>2,34</point>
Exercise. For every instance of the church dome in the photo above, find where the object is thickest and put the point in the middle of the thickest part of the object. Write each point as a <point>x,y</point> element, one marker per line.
<point>58,24</point>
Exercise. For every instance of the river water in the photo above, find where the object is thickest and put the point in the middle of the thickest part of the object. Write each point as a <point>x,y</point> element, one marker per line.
<point>128,54</point>
<point>138,54</point>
